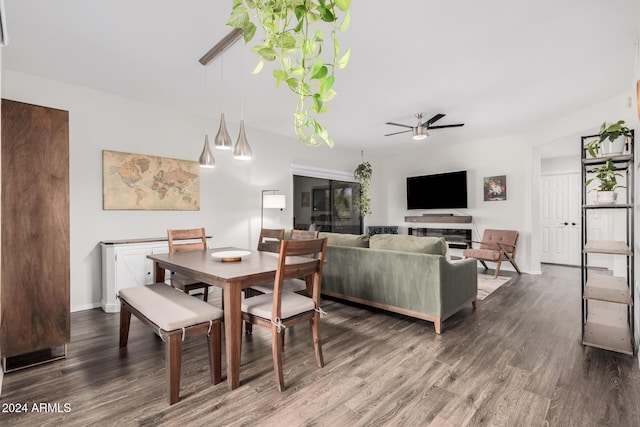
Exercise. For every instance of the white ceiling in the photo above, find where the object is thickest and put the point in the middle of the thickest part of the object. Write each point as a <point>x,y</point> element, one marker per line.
<point>499,66</point>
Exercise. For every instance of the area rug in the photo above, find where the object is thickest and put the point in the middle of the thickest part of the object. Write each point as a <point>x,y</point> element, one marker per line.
<point>487,284</point>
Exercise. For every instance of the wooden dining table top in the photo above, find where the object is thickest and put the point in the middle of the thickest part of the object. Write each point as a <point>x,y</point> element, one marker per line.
<point>201,265</point>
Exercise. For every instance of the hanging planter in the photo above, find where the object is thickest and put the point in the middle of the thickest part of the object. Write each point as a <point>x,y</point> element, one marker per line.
<point>293,36</point>
<point>363,177</point>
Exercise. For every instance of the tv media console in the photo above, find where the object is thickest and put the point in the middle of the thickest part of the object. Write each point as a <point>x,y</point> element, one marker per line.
<point>456,237</point>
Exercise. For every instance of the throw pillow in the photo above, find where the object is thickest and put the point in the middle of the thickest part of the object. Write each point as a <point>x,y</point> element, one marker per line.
<point>351,240</point>
<point>404,243</point>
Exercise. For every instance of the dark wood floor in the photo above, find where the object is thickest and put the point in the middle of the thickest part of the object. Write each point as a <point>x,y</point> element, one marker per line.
<point>517,360</point>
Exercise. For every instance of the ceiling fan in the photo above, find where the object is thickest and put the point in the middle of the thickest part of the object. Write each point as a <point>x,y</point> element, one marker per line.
<point>420,130</point>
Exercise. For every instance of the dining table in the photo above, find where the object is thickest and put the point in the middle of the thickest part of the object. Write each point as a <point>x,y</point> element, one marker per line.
<point>232,274</point>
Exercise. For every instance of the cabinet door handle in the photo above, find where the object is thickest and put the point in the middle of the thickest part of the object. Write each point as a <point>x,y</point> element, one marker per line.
<point>573,223</point>
<point>566,223</point>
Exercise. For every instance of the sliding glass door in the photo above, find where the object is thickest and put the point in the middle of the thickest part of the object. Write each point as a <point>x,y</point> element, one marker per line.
<point>327,205</point>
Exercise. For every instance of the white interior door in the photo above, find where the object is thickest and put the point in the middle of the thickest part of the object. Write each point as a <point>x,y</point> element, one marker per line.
<point>560,219</point>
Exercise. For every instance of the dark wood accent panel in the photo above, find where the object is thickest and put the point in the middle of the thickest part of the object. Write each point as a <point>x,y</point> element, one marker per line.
<point>35,228</point>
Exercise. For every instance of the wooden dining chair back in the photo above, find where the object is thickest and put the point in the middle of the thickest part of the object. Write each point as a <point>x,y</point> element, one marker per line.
<point>270,239</point>
<point>194,239</point>
<point>496,246</point>
<point>290,285</point>
<point>281,309</point>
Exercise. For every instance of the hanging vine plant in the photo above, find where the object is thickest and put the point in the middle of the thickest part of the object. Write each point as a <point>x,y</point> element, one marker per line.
<point>363,176</point>
<point>293,36</point>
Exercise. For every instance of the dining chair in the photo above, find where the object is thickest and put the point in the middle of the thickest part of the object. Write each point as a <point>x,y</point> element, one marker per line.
<point>291,285</point>
<point>270,239</point>
<point>193,239</point>
<point>281,309</point>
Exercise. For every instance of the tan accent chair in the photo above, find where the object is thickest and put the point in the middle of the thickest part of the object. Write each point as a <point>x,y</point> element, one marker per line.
<point>496,246</point>
<point>178,280</point>
<point>281,309</point>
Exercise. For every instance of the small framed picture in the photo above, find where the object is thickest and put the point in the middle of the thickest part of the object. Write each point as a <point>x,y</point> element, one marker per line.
<point>495,188</point>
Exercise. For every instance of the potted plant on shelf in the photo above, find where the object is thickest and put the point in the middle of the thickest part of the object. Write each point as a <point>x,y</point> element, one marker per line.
<point>611,140</point>
<point>607,177</point>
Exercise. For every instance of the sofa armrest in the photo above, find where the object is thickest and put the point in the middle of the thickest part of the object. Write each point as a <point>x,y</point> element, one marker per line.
<point>458,283</point>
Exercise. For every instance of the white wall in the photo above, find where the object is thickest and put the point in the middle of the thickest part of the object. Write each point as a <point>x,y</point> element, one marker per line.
<point>635,107</point>
<point>480,158</point>
<point>230,193</point>
<point>517,156</point>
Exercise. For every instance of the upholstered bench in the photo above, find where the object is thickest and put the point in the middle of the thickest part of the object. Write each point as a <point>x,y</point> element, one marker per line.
<point>174,316</point>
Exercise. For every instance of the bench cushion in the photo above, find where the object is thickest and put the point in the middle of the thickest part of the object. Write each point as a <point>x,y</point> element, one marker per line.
<point>169,308</point>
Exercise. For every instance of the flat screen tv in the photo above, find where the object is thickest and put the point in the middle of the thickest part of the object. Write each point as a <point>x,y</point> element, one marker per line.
<point>439,191</point>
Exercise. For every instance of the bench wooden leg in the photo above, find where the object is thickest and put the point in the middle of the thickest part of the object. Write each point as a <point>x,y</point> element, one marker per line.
<point>215,352</point>
<point>173,357</point>
<point>438,324</point>
<point>473,304</point>
<point>125,321</point>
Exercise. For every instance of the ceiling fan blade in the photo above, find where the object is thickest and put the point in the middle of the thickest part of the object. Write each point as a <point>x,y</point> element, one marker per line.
<point>433,119</point>
<point>395,133</point>
<point>398,124</point>
<point>446,126</point>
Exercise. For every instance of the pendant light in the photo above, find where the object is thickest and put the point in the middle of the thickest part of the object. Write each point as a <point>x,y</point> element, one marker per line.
<point>242,150</point>
<point>206,158</point>
<point>222,140</point>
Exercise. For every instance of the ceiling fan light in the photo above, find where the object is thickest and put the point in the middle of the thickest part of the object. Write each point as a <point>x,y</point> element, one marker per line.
<point>420,133</point>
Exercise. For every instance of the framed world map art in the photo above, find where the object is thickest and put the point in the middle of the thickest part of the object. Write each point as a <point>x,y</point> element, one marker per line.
<point>143,182</point>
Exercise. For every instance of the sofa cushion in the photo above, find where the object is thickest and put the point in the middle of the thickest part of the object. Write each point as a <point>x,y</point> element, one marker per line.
<point>350,240</point>
<point>404,243</point>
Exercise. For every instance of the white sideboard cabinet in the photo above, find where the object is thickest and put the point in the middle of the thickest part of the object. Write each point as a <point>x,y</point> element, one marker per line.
<point>125,264</point>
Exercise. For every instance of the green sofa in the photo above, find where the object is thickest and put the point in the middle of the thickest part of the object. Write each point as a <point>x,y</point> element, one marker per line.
<point>404,274</point>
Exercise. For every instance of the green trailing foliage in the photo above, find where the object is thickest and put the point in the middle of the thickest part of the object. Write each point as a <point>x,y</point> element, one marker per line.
<point>611,132</point>
<point>362,175</point>
<point>607,177</point>
<point>293,36</point>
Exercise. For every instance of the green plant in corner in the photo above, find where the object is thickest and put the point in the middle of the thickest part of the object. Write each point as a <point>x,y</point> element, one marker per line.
<point>293,36</point>
<point>611,133</point>
<point>607,177</point>
<point>363,177</point>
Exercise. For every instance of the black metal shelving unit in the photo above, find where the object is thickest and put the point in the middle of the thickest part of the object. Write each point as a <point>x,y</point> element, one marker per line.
<point>607,300</point>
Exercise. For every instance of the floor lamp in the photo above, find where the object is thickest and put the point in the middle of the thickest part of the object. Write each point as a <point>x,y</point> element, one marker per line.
<point>271,201</point>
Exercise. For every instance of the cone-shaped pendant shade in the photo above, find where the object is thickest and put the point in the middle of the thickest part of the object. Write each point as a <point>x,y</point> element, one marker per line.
<point>206,158</point>
<point>223,140</point>
<point>242,150</point>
